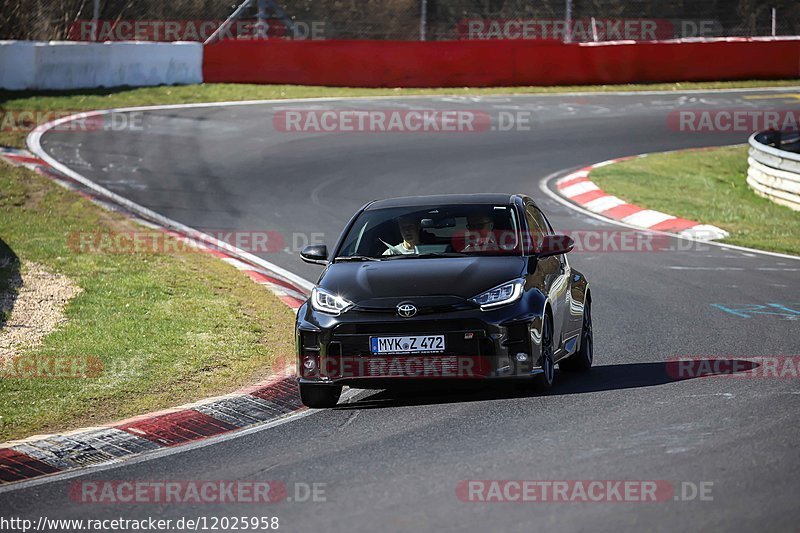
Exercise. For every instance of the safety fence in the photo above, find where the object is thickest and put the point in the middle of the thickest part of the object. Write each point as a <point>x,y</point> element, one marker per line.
<point>497,63</point>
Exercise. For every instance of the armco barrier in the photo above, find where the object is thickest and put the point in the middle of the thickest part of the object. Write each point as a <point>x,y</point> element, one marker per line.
<point>774,173</point>
<point>498,63</point>
<point>72,65</point>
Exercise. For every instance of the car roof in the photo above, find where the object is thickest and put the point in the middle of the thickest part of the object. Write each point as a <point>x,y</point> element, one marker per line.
<point>443,199</point>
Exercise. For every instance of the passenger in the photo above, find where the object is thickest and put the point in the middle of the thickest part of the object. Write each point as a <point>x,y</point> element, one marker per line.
<point>410,230</point>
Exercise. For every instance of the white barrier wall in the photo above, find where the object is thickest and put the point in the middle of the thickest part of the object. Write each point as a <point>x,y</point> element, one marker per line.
<point>17,65</point>
<point>59,65</point>
<point>774,174</point>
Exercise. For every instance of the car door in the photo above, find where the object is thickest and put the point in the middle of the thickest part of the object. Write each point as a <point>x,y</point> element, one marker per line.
<point>552,273</point>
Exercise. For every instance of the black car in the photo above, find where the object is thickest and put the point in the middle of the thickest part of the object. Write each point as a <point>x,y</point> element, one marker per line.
<point>467,286</point>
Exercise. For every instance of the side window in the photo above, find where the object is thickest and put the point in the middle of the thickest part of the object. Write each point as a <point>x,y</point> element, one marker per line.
<point>536,228</point>
<point>550,231</point>
<point>545,223</point>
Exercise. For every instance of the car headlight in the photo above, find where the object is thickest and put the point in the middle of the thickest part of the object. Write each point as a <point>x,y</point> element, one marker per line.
<point>327,302</point>
<point>501,295</point>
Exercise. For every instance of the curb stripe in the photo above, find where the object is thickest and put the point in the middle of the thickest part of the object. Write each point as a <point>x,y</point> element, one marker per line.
<point>604,203</point>
<point>587,197</point>
<point>572,180</point>
<point>241,411</point>
<point>217,253</point>
<point>16,466</point>
<point>284,394</point>
<point>581,190</point>
<point>647,218</point>
<point>674,225</point>
<point>260,277</point>
<point>705,232</point>
<point>294,303</point>
<point>23,159</point>
<point>622,211</point>
<point>116,442</point>
<point>178,428</point>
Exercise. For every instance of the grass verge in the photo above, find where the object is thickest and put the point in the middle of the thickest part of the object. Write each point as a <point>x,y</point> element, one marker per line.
<point>82,100</point>
<point>708,186</point>
<point>169,328</point>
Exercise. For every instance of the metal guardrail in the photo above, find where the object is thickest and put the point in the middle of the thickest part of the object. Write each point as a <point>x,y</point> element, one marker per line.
<point>774,167</point>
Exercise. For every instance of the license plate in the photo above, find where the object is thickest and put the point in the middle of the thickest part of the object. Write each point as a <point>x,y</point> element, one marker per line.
<point>408,344</point>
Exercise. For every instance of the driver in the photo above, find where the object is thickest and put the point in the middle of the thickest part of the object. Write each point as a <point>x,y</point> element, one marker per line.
<point>410,230</point>
<point>479,236</point>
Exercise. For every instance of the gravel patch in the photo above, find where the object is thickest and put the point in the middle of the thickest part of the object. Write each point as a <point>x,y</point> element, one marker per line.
<point>36,301</point>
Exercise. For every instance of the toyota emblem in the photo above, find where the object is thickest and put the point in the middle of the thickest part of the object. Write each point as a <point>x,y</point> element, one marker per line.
<point>406,310</point>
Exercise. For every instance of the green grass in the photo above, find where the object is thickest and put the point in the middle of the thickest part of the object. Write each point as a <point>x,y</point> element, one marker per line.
<point>168,328</point>
<point>707,186</point>
<point>126,97</point>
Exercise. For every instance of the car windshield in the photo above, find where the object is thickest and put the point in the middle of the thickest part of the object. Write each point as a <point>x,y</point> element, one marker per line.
<point>429,232</point>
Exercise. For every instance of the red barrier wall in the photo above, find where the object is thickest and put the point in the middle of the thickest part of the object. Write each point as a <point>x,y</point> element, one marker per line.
<point>496,63</point>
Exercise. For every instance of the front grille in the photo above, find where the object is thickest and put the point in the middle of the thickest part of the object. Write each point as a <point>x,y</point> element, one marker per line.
<point>421,309</point>
<point>402,327</point>
<point>425,305</point>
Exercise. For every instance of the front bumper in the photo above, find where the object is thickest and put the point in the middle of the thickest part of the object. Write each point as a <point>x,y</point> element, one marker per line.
<point>501,343</point>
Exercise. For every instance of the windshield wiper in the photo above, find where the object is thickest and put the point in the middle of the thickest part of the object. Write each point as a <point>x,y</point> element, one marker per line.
<point>356,258</point>
<point>427,255</point>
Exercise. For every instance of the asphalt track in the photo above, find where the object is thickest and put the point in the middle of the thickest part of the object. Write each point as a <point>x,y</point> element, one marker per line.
<point>393,461</point>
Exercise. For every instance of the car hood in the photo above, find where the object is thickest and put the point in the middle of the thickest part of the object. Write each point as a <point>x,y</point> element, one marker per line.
<point>385,283</point>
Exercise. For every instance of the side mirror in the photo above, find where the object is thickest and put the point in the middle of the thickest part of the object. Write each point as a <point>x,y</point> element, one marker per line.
<point>316,254</point>
<point>556,245</point>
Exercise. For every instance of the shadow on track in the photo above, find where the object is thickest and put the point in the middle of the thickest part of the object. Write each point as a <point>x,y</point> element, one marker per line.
<point>600,378</point>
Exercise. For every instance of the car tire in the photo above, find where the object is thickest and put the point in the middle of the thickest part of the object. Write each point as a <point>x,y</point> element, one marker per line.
<point>581,361</point>
<point>544,381</point>
<point>320,396</point>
